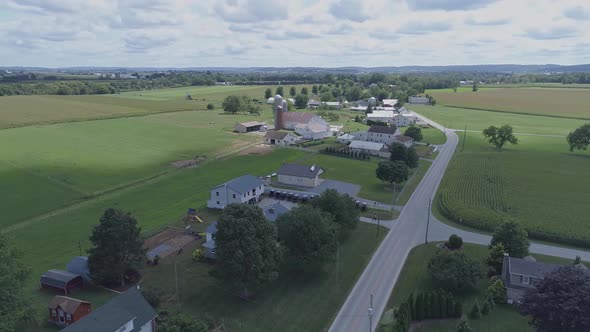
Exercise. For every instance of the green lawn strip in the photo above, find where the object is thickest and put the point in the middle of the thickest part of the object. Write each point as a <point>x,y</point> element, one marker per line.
<point>381,214</point>
<point>413,182</point>
<point>415,278</point>
<point>51,243</point>
<point>433,136</point>
<point>292,303</point>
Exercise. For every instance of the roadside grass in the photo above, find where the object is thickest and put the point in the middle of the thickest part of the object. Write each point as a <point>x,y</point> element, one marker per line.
<point>381,214</point>
<point>457,118</point>
<point>537,183</point>
<point>570,103</point>
<point>413,182</point>
<point>433,136</point>
<point>415,278</point>
<point>292,303</point>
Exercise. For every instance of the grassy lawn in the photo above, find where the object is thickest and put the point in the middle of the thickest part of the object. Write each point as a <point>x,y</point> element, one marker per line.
<point>571,103</point>
<point>413,182</point>
<point>381,214</point>
<point>433,136</point>
<point>415,278</point>
<point>291,303</point>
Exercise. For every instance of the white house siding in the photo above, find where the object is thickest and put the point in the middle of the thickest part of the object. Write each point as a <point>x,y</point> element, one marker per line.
<point>148,327</point>
<point>228,196</point>
<point>127,327</point>
<point>288,140</point>
<point>403,120</point>
<point>298,181</point>
<point>380,138</point>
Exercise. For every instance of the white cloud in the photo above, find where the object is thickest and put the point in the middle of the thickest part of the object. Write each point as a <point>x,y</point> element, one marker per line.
<point>578,13</point>
<point>349,10</point>
<point>240,11</point>
<point>448,4</point>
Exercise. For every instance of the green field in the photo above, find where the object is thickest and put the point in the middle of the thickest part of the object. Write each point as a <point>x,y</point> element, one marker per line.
<point>538,182</point>
<point>432,136</point>
<point>292,303</point>
<point>571,103</point>
<point>415,278</point>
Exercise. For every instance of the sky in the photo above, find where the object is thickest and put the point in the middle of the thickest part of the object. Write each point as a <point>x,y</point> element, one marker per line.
<point>306,33</point>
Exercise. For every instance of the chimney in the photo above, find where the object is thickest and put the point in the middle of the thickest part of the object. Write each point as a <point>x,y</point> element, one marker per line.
<point>312,168</point>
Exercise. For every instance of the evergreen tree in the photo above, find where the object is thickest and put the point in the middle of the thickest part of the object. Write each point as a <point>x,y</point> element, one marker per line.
<point>458,308</point>
<point>450,306</point>
<point>435,305</point>
<point>419,307</point>
<point>443,303</point>
<point>463,325</point>
<point>485,308</point>
<point>475,312</point>
<point>427,306</point>
<point>412,306</point>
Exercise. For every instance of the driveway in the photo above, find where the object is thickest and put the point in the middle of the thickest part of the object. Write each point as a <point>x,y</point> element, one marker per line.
<point>341,187</point>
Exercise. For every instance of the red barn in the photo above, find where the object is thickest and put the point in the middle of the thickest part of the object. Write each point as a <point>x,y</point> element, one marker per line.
<point>65,310</point>
<point>63,281</point>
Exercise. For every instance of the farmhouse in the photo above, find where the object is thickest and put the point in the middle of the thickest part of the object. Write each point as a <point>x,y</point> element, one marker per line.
<point>247,127</point>
<point>65,310</point>
<point>404,120</point>
<point>79,265</point>
<point>418,100</point>
<point>272,212</point>
<point>370,148</point>
<point>279,138</point>
<point>61,280</point>
<point>209,244</point>
<point>382,134</point>
<point>245,189</point>
<point>389,102</point>
<point>381,116</point>
<point>127,312</point>
<point>299,175</point>
<point>405,140</point>
<point>519,274</point>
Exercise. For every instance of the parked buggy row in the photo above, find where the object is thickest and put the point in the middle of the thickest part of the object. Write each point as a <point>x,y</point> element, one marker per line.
<point>290,196</point>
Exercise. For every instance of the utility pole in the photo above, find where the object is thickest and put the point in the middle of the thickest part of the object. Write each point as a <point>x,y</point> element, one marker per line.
<point>80,246</point>
<point>371,315</point>
<point>428,221</point>
<point>176,281</point>
<point>464,137</point>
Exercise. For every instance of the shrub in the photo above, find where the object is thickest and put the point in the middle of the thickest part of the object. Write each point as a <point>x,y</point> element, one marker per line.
<point>475,312</point>
<point>153,296</point>
<point>198,255</point>
<point>156,260</point>
<point>485,308</point>
<point>455,242</point>
<point>497,292</point>
<point>210,106</point>
<point>463,325</point>
<point>458,309</point>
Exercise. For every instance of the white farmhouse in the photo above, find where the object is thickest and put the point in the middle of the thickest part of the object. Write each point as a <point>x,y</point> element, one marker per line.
<point>382,134</point>
<point>404,119</point>
<point>299,175</point>
<point>405,140</point>
<point>245,189</point>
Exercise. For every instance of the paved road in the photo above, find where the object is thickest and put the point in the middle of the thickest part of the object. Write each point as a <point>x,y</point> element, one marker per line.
<point>407,232</point>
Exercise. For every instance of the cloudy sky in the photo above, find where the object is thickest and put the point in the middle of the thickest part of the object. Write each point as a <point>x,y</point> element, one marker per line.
<point>326,33</point>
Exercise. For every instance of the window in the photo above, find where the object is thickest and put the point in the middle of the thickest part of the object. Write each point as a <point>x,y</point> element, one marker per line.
<point>217,193</point>
<point>526,280</point>
<point>212,251</point>
<point>68,317</point>
<point>234,195</point>
<point>53,313</point>
<point>218,203</point>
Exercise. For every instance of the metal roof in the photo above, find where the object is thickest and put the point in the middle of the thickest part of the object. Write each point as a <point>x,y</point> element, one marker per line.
<point>383,129</point>
<point>302,171</point>
<point>381,114</point>
<point>375,146</point>
<point>272,134</point>
<point>298,117</point>
<point>251,124</point>
<point>530,268</point>
<point>243,184</point>
<point>58,278</point>
<point>125,307</point>
<point>79,265</point>
<point>272,212</point>
<point>403,138</point>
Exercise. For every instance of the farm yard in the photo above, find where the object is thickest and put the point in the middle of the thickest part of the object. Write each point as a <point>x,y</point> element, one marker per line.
<point>536,182</point>
<point>559,102</point>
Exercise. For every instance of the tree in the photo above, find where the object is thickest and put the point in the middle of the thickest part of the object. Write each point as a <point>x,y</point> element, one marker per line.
<point>412,158</point>
<point>414,132</point>
<point>267,93</point>
<point>279,91</point>
<point>500,136</point>
<point>559,302</point>
<point>326,96</point>
<point>301,101</point>
<point>117,248</point>
<point>309,236</point>
<point>314,89</point>
<point>453,270</point>
<point>475,312</point>
<point>513,237</point>
<point>455,242</point>
<point>474,87</point>
<point>580,138</point>
<point>577,260</point>
<point>392,171</point>
<point>354,93</point>
<point>463,324</point>
<point>210,106</point>
<point>232,104</point>
<point>14,303</point>
<point>398,151</point>
<point>292,91</point>
<point>179,322</point>
<point>369,109</point>
<point>496,256</point>
<point>304,91</point>
<point>247,250</point>
<point>485,308</point>
<point>411,306</point>
<point>427,305</point>
<point>341,207</point>
<point>458,308</point>
<point>497,292</point>
<point>419,307</point>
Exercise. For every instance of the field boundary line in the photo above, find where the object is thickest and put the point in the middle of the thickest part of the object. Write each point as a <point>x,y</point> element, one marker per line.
<point>514,112</point>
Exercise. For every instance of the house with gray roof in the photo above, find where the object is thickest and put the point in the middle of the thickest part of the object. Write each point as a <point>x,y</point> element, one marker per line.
<point>129,312</point>
<point>299,175</point>
<point>519,274</point>
<point>244,189</point>
<point>272,212</point>
<point>382,134</point>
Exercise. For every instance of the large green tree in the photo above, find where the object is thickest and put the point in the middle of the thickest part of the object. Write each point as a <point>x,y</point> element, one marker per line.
<point>314,89</point>
<point>392,171</point>
<point>513,237</point>
<point>340,206</point>
<point>248,252</point>
<point>398,152</point>
<point>14,304</point>
<point>292,91</point>
<point>500,136</point>
<point>301,101</point>
<point>232,104</point>
<point>454,270</point>
<point>414,132</point>
<point>279,91</point>
<point>304,91</point>
<point>179,322</point>
<point>309,236</point>
<point>267,93</point>
<point>580,138</point>
<point>496,256</point>
<point>412,158</point>
<point>560,301</point>
<point>354,93</point>
<point>117,248</point>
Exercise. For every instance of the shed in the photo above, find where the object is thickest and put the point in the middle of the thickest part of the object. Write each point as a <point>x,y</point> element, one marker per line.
<point>65,310</point>
<point>79,265</point>
<point>247,127</point>
<point>61,280</point>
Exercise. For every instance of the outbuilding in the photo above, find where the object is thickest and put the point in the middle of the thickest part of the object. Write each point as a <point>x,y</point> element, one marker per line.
<point>370,148</point>
<point>61,280</point>
<point>65,310</point>
<point>279,138</point>
<point>247,127</point>
<point>299,175</point>
<point>79,265</point>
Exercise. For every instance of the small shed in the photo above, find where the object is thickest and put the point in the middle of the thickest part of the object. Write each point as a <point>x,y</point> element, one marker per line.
<point>209,244</point>
<point>79,265</point>
<point>61,280</point>
<point>248,127</point>
<point>65,310</point>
